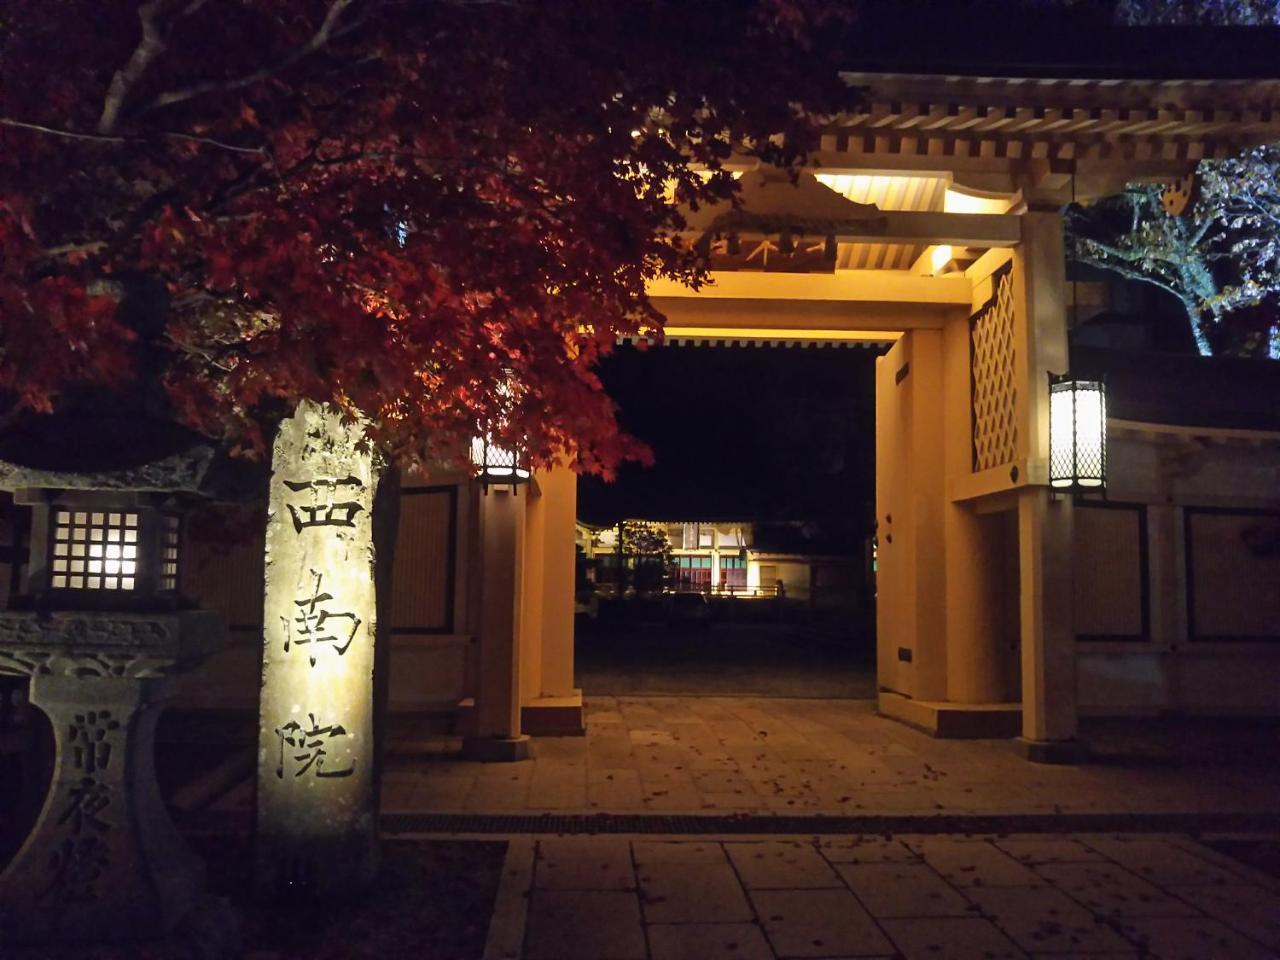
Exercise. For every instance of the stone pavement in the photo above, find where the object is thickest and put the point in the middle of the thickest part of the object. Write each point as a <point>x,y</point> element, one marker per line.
<point>912,897</point>
<point>755,756</point>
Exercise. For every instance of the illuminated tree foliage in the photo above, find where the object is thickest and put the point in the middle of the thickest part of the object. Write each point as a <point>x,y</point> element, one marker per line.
<point>647,543</point>
<point>1221,258</point>
<point>1209,12</point>
<point>389,205</point>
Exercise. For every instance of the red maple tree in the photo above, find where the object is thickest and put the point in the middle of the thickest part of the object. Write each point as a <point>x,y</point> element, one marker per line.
<point>392,205</point>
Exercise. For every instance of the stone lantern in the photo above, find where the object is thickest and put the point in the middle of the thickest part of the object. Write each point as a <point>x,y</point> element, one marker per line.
<point>101,630</point>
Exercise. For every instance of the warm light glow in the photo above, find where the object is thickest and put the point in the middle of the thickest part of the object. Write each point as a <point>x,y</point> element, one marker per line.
<point>497,462</point>
<point>918,193</point>
<point>1077,434</point>
<point>94,550</point>
<point>315,747</point>
<point>965,200</point>
<point>940,256</point>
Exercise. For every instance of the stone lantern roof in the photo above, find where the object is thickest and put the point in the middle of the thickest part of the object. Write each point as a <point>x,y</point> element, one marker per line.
<point>113,450</point>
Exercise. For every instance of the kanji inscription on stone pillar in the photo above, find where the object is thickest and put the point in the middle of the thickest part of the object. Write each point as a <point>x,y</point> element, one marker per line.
<point>316,822</point>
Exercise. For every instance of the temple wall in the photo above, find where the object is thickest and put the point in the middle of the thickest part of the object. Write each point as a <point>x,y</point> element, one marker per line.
<point>431,645</point>
<point>1177,578</point>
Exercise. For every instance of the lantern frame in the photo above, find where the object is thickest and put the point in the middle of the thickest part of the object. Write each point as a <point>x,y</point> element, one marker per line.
<point>500,464</point>
<point>101,550</point>
<point>1077,434</point>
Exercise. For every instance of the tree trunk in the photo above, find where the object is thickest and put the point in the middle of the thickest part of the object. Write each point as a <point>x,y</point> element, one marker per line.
<point>317,819</point>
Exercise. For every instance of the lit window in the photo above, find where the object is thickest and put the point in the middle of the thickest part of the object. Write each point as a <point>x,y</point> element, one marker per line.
<point>706,536</point>
<point>94,550</point>
<point>169,553</point>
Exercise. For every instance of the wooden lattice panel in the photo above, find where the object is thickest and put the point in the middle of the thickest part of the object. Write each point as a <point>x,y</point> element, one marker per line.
<point>995,392</point>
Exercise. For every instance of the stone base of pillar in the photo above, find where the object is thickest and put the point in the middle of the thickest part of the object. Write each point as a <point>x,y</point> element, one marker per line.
<point>953,721</point>
<point>496,749</point>
<point>554,716</point>
<point>1067,752</point>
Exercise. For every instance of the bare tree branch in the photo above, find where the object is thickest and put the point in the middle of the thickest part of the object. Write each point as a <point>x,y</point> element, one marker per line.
<point>152,44</point>
<point>1102,256</point>
<point>92,246</point>
<point>56,132</point>
<point>327,31</point>
<point>117,139</point>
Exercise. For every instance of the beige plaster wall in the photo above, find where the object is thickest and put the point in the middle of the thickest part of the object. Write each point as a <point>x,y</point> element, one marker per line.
<point>1215,650</point>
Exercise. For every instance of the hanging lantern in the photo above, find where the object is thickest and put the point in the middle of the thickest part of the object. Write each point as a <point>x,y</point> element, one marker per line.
<point>498,463</point>
<point>1077,434</point>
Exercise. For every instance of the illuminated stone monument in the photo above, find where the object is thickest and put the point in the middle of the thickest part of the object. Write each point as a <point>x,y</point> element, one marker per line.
<point>103,632</point>
<point>317,829</point>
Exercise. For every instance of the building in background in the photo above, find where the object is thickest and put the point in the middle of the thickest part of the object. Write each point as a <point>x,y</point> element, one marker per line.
<point>739,558</point>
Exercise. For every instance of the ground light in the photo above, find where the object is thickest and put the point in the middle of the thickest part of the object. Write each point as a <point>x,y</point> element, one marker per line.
<point>1077,434</point>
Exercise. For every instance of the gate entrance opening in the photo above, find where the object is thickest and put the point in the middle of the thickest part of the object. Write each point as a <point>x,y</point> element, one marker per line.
<point>740,562</point>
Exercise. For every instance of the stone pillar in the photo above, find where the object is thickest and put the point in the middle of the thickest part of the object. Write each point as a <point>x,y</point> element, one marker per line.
<point>1044,525</point>
<point>560,504</point>
<point>550,704</point>
<point>975,659</point>
<point>1048,642</point>
<point>317,822</point>
<point>496,733</point>
<point>104,861</point>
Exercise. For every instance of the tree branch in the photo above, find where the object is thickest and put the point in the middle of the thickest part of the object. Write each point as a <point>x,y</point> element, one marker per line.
<point>55,132</point>
<point>326,32</point>
<point>1132,273</point>
<point>117,139</point>
<point>92,246</point>
<point>151,45</point>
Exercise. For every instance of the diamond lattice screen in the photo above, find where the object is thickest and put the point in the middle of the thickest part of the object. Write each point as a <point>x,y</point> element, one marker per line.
<point>991,355</point>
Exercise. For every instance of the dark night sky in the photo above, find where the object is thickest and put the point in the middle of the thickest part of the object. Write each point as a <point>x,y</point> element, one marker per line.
<point>741,433</point>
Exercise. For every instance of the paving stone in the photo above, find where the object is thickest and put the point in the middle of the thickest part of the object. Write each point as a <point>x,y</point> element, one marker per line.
<point>683,892</point>
<point>818,923</point>
<point>558,789</point>
<point>584,863</point>
<point>673,796</point>
<point>721,781</point>
<point>951,938</point>
<point>1246,872</point>
<point>1193,938</point>
<point>1250,909</point>
<point>442,794</point>
<point>489,794</point>
<point>730,801</point>
<point>781,865</point>
<point>584,925</point>
<point>1035,850</point>
<point>708,941</point>
<point>1161,861</point>
<point>614,788</point>
<point>1113,891</point>
<point>1041,919</point>
<point>397,796</point>
<point>650,852</point>
<point>973,863</point>
<point>862,849</point>
<point>903,890</point>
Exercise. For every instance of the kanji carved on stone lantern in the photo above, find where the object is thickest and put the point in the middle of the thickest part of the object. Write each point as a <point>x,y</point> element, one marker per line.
<point>102,631</point>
